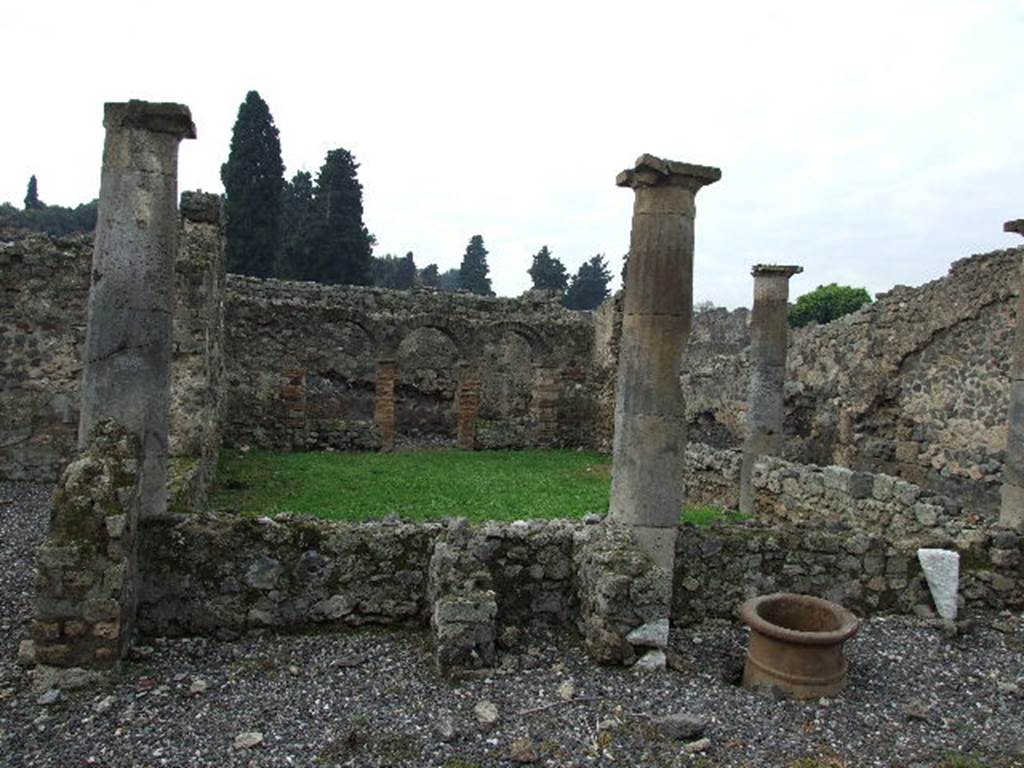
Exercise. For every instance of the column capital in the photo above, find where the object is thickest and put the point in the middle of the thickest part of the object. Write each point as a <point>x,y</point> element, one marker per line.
<point>1017,225</point>
<point>651,171</point>
<point>158,117</point>
<point>775,270</point>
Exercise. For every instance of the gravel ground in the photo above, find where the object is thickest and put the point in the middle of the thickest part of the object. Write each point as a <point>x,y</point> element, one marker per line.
<point>371,698</point>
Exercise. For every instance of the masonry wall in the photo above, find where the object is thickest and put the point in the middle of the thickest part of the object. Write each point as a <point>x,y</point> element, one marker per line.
<point>215,574</point>
<point>44,290</point>
<point>915,385</point>
<point>305,363</point>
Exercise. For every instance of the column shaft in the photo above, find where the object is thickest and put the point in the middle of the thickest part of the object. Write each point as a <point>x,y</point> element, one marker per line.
<point>127,371</point>
<point>650,421</point>
<point>1011,509</point>
<point>768,341</point>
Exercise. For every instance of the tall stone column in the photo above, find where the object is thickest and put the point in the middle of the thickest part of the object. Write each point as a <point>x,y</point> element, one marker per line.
<point>384,402</point>
<point>127,371</point>
<point>467,404</point>
<point>1011,509</point>
<point>768,337</point>
<point>650,419</point>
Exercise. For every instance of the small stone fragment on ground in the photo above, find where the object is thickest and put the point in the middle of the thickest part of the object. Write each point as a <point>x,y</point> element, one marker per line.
<point>248,739</point>
<point>445,729</point>
<point>651,661</point>
<point>915,710</point>
<point>104,705</point>
<point>198,686</point>
<point>700,745</point>
<point>653,634</point>
<point>52,696</point>
<point>566,690</point>
<point>681,726</point>
<point>26,653</point>
<point>523,751</point>
<point>486,713</point>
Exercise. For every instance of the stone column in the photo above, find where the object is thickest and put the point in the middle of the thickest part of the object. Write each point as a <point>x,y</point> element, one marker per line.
<point>650,419</point>
<point>384,402</point>
<point>467,404</point>
<point>1011,509</point>
<point>127,367</point>
<point>768,337</point>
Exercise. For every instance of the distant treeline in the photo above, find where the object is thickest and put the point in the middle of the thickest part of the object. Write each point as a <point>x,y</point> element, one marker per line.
<point>54,220</point>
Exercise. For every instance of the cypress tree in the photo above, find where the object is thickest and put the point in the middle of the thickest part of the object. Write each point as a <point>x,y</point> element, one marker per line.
<point>253,180</point>
<point>473,272</point>
<point>430,277</point>
<point>341,249</point>
<point>32,201</point>
<point>405,275</point>
<point>547,272</point>
<point>296,215</point>
<point>589,286</point>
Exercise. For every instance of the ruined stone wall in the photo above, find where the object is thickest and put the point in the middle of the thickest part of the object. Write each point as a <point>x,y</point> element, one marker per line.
<point>207,574</point>
<point>915,385</point>
<point>44,288</point>
<point>44,291</point>
<point>307,366</point>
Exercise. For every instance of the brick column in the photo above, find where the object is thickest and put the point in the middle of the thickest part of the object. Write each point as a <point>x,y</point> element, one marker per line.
<point>384,402</point>
<point>467,404</point>
<point>768,338</point>
<point>544,403</point>
<point>650,418</point>
<point>1011,509</point>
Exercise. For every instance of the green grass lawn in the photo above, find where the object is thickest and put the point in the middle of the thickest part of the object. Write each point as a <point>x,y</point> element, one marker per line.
<point>422,485</point>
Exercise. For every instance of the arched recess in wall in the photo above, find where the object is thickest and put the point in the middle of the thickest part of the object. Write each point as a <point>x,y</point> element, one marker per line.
<point>425,390</point>
<point>509,358</point>
<point>341,370</point>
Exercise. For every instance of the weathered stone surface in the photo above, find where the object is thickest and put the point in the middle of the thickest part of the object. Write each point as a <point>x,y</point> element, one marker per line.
<point>942,570</point>
<point>86,586</point>
<point>767,354</point>
<point>127,358</point>
<point>653,634</point>
<point>682,726</point>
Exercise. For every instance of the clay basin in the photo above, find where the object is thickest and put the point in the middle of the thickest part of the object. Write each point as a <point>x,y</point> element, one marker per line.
<point>796,644</point>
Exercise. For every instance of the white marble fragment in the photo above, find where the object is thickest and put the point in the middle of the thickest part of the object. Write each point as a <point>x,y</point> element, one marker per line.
<point>942,570</point>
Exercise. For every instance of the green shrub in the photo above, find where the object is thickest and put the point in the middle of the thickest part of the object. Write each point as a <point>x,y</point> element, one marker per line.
<point>826,303</point>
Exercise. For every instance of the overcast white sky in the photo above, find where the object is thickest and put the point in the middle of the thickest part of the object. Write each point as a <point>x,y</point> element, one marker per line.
<point>872,142</point>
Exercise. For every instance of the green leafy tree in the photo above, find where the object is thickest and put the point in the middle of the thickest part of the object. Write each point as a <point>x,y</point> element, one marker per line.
<point>253,180</point>
<point>429,277</point>
<point>54,220</point>
<point>405,274</point>
<point>448,281</point>
<point>32,201</point>
<point>547,272</point>
<point>296,218</point>
<point>826,303</point>
<point>589,286</point>
<point>473,272</point>
<point>341,247</point>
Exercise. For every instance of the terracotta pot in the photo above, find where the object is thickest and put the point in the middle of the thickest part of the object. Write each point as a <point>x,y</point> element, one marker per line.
<point>796,644</point>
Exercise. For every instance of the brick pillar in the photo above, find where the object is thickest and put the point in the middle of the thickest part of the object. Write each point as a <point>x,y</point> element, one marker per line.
<point>544,403</point>
<point>384,402</point>
<point>292,394</point>
<point>766,403</point>
<point>467,404</point>
<point>1011,508</point>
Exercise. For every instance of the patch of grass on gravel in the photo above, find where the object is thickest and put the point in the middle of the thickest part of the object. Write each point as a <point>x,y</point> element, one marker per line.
<point>707,514</point>
<point>424,485</point>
